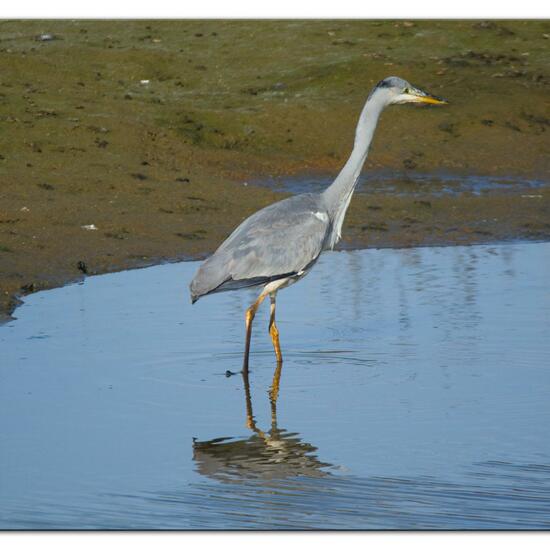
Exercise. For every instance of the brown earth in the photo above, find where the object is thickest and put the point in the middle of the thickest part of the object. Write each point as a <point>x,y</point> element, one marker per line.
<point>150,130</point>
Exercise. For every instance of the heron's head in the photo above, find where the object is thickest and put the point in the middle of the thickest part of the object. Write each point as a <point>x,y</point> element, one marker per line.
<point>397,91</point>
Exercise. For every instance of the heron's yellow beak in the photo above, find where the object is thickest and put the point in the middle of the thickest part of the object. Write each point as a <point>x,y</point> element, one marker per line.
<point>432,100</point>
<point>412,94</point>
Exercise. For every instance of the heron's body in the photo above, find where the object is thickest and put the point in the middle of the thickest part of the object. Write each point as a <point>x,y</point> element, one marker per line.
<point>279,244</point>
<point>298,230</point>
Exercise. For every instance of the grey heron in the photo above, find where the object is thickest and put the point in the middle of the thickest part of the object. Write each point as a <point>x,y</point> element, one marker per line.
<point>279,244</point>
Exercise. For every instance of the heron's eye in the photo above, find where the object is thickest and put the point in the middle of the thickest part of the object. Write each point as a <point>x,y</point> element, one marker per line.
<point>406,91</point>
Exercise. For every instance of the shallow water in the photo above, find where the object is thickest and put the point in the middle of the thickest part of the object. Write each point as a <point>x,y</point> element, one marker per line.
<point>414,394</point>
<point>411,184</point>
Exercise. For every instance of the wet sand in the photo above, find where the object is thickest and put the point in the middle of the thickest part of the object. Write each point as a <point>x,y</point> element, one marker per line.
<point>127,143</point>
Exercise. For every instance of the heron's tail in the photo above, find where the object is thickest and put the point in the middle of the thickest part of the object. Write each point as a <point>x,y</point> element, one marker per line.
<point>211,274</point>
<point>195,295</point>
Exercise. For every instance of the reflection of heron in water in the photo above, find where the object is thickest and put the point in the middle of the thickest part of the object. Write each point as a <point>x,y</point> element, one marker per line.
<point>274,454</point>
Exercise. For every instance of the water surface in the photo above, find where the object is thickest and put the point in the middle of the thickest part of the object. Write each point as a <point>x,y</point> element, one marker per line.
<point>414,394</point>
<point>413,184</point>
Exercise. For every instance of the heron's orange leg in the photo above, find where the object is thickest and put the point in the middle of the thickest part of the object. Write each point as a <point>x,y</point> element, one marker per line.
<point>250,313</point>
<point>274,331</point>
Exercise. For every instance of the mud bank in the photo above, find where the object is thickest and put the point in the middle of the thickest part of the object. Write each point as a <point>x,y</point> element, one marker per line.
<point>126,143</point>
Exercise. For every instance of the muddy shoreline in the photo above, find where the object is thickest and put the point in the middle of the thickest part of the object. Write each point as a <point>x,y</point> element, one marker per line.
<point>128,143</point>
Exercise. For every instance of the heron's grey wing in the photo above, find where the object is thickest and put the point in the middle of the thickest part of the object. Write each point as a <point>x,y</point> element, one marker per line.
<point>276,242</point>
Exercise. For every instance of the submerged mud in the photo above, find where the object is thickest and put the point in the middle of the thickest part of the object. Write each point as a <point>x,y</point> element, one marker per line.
<point>126,143</point>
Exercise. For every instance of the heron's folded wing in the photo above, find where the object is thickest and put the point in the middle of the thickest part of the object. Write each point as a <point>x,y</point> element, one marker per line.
<point>278,241</point>
<point>275,242</point>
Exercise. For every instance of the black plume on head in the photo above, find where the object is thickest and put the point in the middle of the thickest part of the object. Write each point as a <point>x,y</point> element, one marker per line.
<point>392,82</point>
<point>384,83</point>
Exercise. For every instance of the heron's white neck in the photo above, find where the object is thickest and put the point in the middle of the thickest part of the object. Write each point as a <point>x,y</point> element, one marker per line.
<point>338,195</point>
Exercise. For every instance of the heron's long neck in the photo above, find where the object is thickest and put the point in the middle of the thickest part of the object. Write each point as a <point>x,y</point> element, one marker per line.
<point>338,195</point>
